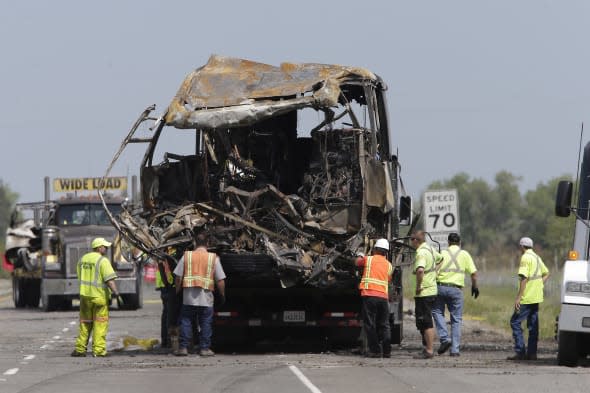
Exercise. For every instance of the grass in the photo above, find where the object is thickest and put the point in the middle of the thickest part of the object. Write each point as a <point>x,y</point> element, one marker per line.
<point>495,304</point>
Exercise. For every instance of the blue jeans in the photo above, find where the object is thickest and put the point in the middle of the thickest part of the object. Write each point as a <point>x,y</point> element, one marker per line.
<point>204,317</point>
<point>452,298</point>
<point>530,312</point>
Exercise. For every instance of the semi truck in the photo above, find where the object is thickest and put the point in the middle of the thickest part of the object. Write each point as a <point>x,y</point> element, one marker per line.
<point>290,171</point>
<point>573,323</point>
<point>46,239</point>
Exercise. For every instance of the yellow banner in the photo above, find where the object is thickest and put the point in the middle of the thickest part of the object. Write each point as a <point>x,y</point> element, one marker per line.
<point>88,184</point>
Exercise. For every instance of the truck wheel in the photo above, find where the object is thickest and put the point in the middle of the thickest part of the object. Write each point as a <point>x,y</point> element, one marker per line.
<point>567,349</point>
<point>33,294</point>
<point>18,292</point>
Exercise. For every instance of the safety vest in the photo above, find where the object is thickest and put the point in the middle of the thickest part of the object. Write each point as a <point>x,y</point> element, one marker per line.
<point>199,269</point>
<point>533,268</point>
<point>94,270</point>
<point>159,282</point>
<point>456,262</point>
<point>427,258</point>
<point>376,274</point>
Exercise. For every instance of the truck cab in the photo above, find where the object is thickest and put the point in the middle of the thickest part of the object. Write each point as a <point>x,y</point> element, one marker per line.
<point>573,325</point>
<point>46,240</point>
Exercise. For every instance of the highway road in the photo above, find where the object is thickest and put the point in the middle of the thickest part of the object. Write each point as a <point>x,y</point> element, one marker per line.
<point>35,348</point>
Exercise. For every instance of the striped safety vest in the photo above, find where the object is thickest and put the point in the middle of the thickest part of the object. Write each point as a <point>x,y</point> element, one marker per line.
<point>159,282</point>
<point>376,274</point>
<point>199,269</point>
<point>92,282</point>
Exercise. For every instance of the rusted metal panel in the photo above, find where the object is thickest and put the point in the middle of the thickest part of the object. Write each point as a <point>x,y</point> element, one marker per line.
<point>231,92</point>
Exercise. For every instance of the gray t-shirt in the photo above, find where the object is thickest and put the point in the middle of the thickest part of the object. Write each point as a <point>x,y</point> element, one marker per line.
<point>195,296</point>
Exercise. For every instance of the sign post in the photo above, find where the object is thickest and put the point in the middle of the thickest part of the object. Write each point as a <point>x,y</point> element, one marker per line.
<point>441,214</point>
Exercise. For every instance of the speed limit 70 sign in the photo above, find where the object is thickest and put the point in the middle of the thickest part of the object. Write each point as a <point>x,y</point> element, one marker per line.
<point>441,211</point>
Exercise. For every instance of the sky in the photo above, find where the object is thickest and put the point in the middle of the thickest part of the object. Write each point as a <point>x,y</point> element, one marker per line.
<point>474,86</point>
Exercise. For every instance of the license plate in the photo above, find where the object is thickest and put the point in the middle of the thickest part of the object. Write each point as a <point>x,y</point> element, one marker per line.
<point>293,316</point>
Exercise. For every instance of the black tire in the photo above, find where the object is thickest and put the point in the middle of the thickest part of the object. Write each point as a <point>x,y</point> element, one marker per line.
<point>567,349</point>
<point>18,292</point>
<point>33,294</point>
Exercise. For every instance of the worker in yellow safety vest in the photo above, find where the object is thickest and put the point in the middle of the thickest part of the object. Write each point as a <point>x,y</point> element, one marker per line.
<point>450,280</point>
<point>97,280</point>
<point>532,273</point>
<point>425,290</point>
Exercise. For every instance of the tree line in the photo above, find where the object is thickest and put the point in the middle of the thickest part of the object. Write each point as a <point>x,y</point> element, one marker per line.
<point>493,217</point>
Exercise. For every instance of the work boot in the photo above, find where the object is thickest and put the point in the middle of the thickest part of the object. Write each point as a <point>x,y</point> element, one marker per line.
<point>424,355</point>
<point>206,352</point>
<point>181,352</point>
<point>516,356</point>
<point>76,354</point>
<point>444,347</point>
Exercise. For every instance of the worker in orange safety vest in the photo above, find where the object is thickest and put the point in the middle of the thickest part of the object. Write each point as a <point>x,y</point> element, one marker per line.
<point>197,274</point>
<point>377,271</point>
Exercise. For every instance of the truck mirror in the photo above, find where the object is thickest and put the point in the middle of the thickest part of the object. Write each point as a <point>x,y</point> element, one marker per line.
<point>405,210</point>
<point>563,200</point>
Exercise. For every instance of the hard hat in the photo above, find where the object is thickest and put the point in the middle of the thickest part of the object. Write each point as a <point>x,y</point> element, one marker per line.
<point>382,243</point>
<point>100,241</point>
<point>526,242</point>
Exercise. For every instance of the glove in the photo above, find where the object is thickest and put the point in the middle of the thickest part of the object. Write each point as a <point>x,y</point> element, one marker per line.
<point>119,299</point>
<point>474,292</point>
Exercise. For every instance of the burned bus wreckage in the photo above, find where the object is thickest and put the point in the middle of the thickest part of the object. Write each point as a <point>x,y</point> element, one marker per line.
<point>288,169</point>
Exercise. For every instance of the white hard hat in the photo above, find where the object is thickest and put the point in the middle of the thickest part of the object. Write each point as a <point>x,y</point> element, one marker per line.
<point>526,242</point>
<point>382,243</point>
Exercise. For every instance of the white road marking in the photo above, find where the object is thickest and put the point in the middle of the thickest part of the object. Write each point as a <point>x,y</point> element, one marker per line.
<point>65,329</point>
<point>55,337</point>
<point>304,379</point>
<point>29,357</point>
<point>73,323</point>
<point>11,371</point>
<point>44,346</point>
